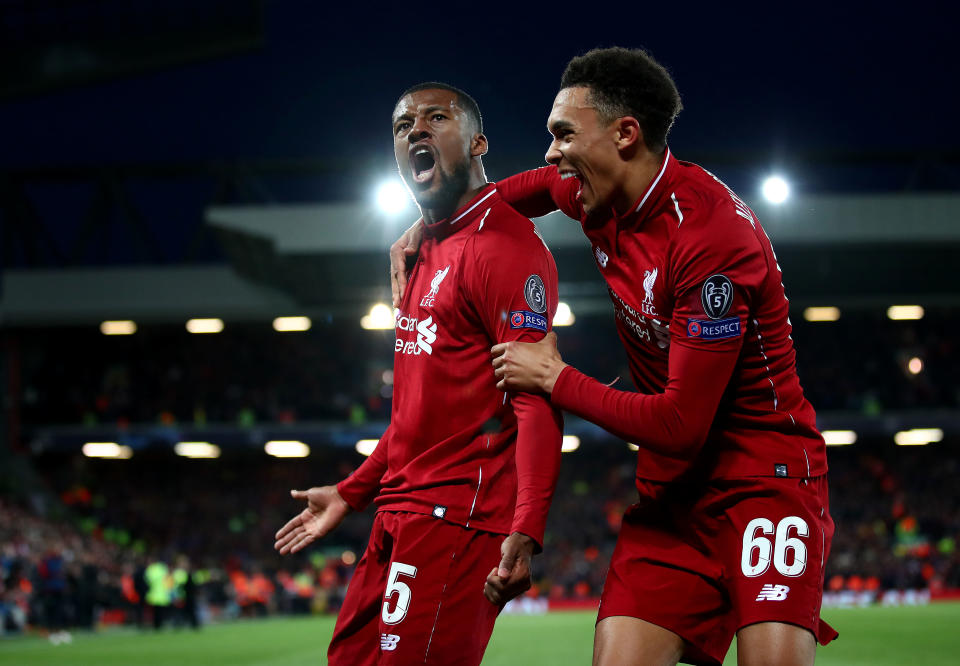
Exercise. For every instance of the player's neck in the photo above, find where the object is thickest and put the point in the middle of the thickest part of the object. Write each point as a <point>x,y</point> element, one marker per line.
<point>638,174</point>
<point>431,215</point>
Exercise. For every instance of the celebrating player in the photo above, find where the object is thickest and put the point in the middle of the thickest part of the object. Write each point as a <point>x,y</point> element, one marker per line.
<point>732,527</point>
<point>464,475</point>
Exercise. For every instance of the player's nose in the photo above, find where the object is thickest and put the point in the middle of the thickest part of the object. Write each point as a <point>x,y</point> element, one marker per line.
<point>420,130</point>
<point>553,155</point>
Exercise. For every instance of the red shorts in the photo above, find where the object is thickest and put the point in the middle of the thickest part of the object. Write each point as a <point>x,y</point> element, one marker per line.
<point>416,596</point>
<point>705,563</point>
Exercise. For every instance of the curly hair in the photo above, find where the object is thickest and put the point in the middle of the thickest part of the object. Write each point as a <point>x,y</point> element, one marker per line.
<point>465,101</point>
<point>628,82</point>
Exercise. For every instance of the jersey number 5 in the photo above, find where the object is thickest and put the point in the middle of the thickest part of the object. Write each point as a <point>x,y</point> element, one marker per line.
<point>402,605</point>
<point>754,541</point>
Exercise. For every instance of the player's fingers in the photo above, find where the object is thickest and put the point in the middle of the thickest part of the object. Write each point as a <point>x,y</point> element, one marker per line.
<point>498,349</point>
<point>551,338</point>
<point>285,541</point>
<point>303,541</point>
<point>506,563</point>
<point>291,524</point>
<point>502,385</point>
<point>298,494</point>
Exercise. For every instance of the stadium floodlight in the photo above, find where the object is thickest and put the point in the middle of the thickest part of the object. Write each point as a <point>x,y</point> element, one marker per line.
<point>918,436</point>
<point>381,317</point>
<point>569,443</point>
<point>118,327</point>
<point>107,450</point>
<point>915,365</point>
<point>564,316</point>
<point>348,557</point>
<point>775,190</point>
<point>821,313</point>
<point>289,324</point>
<point>839,437</point>
<point>366,446</point>
<point>196,450</point>
<point>211,325</point>
<point>287,449</point>
<point>905,312</point>
<point>392,197</point>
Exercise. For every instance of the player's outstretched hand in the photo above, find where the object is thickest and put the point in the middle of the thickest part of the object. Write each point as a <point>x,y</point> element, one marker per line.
<point>401,252</point>
<point>325,510</point>
<point>527,366</point>
<point>512,577</point>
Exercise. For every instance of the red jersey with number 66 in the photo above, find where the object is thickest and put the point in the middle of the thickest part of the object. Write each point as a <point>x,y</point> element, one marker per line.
<point>695,286</point>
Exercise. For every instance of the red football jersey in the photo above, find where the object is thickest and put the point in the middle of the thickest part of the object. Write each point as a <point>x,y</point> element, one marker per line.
<point>701,312</point>
<point>457,447</point>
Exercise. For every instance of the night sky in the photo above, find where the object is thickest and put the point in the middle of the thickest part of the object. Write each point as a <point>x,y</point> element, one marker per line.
<point>772,81</point>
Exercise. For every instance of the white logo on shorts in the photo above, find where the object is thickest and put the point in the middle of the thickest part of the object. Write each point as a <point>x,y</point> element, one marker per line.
<point>388,642</point>
<point>773,593</point>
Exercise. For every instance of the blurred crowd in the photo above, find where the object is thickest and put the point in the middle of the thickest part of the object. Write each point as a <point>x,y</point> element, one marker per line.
<point>161,541</point>
<point>250,374</point>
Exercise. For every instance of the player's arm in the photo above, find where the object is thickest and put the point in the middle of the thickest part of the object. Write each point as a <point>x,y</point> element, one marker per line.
<point>496,286</point>
<point>673,423</point>
<point>703,353</point>
<point>540,191</point>
<point>359,489</point>
<point>327,506</point>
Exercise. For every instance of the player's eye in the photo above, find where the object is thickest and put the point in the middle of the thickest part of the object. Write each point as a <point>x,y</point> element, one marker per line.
<point>401,127</point>
<point>438,116</point>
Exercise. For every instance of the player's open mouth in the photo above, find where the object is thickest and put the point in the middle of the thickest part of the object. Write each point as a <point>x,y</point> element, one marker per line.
<point>423,164</point>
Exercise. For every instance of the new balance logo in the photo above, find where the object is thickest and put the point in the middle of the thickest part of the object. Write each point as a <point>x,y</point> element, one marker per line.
<point>388,642</point>
<point>602,257</point>
<point>773,593</point>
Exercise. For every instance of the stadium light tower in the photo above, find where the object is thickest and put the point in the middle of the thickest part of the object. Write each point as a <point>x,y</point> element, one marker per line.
<point>392,197</point>
<point>775,189</point>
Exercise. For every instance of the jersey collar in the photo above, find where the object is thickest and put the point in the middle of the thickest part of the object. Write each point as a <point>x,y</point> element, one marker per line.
<point>655,191</point>
<point>465,214</point>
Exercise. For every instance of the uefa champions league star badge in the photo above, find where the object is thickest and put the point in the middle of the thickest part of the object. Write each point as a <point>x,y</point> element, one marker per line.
<point>535,294</point>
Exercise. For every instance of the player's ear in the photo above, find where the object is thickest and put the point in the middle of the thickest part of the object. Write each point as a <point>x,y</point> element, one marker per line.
<point>478,145</point>
<point>629,135</point>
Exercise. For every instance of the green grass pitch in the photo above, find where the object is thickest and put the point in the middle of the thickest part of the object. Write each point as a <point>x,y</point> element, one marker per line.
<point>925,635</point>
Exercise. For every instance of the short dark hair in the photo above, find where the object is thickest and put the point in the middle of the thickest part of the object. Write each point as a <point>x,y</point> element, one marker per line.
<point>466,102</point>
<point>628,82</point>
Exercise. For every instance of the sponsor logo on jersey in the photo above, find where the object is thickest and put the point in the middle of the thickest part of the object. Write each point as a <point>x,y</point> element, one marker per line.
<point>388,642</point>
<point>714,330</point>
<point>439,511</point>
<point>716,296</point>
<point>635,321</point>
<point>428,298</point>
<point>773,593</point>
<point>426,335</point>
<point>649,278</point>
<point>602,257</point>
<point>535,294</point>
<point>527,319</point>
